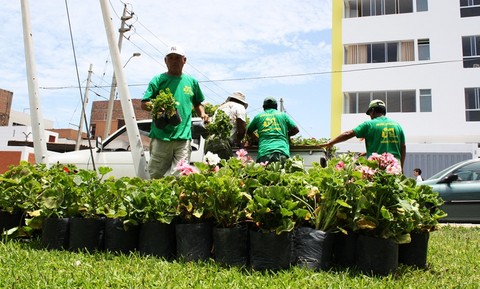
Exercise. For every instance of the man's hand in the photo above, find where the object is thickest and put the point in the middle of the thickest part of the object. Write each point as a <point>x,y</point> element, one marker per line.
<point>205,118</point>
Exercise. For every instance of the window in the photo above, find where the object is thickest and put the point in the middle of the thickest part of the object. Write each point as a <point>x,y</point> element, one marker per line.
<point>425,100</point>
<point>471,51</point>
<point>469,8</point>
<point>423,49</point>
<point>365,8</point>
<point>395,100</point>
<point>379,52</point>
<point>422,5</point>
<point>472,104</point>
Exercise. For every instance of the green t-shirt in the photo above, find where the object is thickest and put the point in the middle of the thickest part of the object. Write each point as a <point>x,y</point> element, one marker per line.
<point>187,92</point>
<point>272,127</point>
<point>382,135</point>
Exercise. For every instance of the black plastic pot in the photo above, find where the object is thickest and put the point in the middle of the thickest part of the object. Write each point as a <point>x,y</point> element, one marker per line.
<point>175,119</point>
<point>120,239</point>
<point>415,252</point>
<point>157,239</point>
<point>160,122</point>
<point>231,245</point>
<point>377,256</point>
<point>344,249</point>
<point>194,241</point>
<point>86,234</point>
<point>55,233</point>
<point>313,248</point>
<point>10,220</point>
<point>269,251</point>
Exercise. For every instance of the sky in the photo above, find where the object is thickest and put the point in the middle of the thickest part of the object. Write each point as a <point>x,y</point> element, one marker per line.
<point>279,48</point>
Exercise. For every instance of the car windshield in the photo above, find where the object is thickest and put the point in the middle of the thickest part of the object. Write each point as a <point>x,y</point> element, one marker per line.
<point>444,171</point>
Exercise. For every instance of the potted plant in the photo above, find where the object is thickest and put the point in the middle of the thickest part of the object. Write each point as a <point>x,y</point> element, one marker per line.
<point>382,217</point>
<point>20,185</point>
<point>323,197</point>
<point>154,205</point>
<point>274,213</point>
<point>226,201</point>
<point>121,228</point>
<point>194,230</point>
<point>426,204</point>
<point>218,140</point>
<point>164,109</point>
<point>57,202</point>
<point>87,225</point>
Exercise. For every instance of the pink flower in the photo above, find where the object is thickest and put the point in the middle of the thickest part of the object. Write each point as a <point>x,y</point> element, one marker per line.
<point>216,168</point>
<point>340,165</point>
<point>242,155</point>
<point>265,163</point>
<point>367,172</point>
<point>185,168</point>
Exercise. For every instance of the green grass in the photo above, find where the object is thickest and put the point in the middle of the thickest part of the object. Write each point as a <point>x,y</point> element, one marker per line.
<point>453,261</point>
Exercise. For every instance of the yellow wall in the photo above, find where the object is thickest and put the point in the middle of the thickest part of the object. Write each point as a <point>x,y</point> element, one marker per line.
<point>337,61</point>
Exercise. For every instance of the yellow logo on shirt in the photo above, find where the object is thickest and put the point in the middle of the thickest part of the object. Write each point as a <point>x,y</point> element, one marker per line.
<point>187,90</point>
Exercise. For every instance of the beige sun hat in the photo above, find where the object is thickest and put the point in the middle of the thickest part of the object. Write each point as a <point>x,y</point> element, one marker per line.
<point>238,96</point>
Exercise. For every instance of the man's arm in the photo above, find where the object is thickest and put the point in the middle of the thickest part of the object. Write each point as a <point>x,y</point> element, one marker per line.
<point>241,130</point>
<point>201,112</point>
<point>403,153</point>
<point>340,138</point>
<point>293,131</point>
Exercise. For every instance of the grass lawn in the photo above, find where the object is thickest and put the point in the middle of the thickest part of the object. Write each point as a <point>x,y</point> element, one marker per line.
<point>453,262</point>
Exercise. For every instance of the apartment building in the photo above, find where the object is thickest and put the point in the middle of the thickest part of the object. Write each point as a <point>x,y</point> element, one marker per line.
<point>422,57</point>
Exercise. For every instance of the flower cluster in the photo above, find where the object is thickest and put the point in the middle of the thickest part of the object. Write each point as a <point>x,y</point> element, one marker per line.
<point>387,162</point>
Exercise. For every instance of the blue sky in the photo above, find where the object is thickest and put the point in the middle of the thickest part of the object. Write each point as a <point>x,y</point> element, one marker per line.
<point>279,48</point>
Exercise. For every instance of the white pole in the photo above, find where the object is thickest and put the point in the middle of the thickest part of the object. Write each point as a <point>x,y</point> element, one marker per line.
<point>82,116</point>
<point>138,154</point>
<point>38,131</point>
<point>111,99</point>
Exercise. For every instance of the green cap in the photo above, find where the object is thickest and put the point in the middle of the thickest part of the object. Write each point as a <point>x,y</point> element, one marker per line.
<point>269,100</point>
<point>375,103</point>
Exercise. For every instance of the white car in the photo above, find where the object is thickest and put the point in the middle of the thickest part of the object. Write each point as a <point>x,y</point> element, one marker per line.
<point>114,152</point>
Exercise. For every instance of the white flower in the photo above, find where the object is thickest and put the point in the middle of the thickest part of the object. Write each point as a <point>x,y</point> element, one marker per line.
<point>211,158</point>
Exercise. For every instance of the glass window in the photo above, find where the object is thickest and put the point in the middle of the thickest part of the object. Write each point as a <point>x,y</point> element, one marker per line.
<point>471,51</point>
<point>422,5</point>
<point>423,49</point>
<point>472,104</point>
<point>378,53</point>
<point>351,9</point>
<point>469,8</point>
<point>363,101</point>
<point>425,100</point>
<point>392,52</point>
<point>408,101</point>
<point>350,102</point>
<point>365,8</point>
<point>390,6</point>
<point>405,6</point>
<point>393,101</point>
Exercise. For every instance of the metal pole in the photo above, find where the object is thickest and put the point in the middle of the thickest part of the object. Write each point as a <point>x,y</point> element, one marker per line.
<point>84,105</point>
<point>111,100</point>
<point>133,133</point>
<point>38,131</point>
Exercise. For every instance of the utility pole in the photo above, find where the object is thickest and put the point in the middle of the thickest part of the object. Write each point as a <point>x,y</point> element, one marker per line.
<point>281,105</point>
<point>84,105</point>
<point>38,131</point>
<point>111,100</point>
<point>133,133</point>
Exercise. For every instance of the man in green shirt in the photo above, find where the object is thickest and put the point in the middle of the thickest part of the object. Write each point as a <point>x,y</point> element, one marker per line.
<point>274,129</point>
<point>171,144</point>
<point>381,134</point>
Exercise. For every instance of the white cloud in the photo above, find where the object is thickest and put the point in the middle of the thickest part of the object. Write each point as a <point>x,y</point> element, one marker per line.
<point>224,39</point>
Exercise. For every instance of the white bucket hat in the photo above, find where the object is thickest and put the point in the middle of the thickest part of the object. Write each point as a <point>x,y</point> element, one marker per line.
<point>238,96</point>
